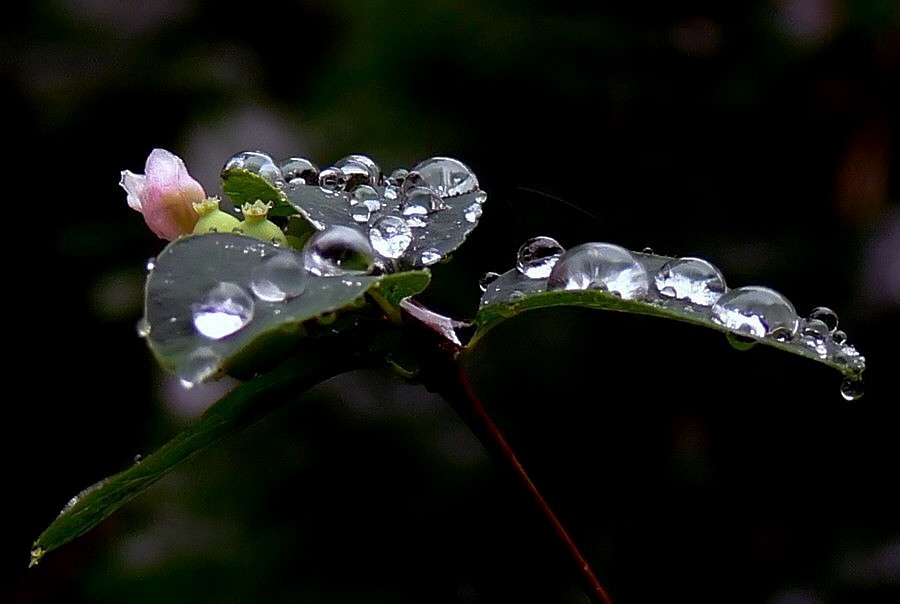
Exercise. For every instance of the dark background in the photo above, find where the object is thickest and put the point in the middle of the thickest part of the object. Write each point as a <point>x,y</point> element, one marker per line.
<point>761,136</point>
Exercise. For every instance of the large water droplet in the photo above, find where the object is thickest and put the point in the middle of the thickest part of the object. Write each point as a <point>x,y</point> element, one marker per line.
<point>757,312</point>
<point>449,177</point>
<point>332,180</point>
<point>198,366</point>
<point>225,309</point>
<point>338,250</point>
<point>691,279</point>
<point>278,278</point>
<point>537,256</point>
<point>600,266</point>
<point>359,170</point>
<point>852,389</point>
<point>390,236</point>
<point>826,316</point>
<point>259,163</point>
<point>299,171</point>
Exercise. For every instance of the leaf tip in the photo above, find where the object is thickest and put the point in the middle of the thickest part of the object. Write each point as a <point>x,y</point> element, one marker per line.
<point>37,552</point>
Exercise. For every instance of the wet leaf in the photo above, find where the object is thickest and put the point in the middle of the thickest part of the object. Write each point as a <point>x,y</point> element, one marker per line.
<point>513,293</point>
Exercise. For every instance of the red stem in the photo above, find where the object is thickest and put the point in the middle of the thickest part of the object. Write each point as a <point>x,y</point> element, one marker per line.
<point>593,589</point>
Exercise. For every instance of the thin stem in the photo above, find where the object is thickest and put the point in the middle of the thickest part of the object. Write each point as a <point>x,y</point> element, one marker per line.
<point>467,404</point>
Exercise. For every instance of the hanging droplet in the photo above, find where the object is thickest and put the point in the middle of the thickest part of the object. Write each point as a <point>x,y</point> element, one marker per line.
<point>259,163</point>
<point>143,327</point>
<point>390,236</point>
<point>537,256</point>
<point>299,171</point>
<point>739,342</point>
<point>332,180</point>
<point>198,366</point>
<point>338,250</point>
<point>421,197</point>
<point>756,312</point>
<point>486,279</point>
<point>359,170</point>
<point>600,266</point>
<point>430,256</point>
<point>278,278</point>
<point>225,309</point>
<point>473,212</point>
<point>826,316</point>
<point>691,279</point>
<point>852,388</point>
<point>449,177</point>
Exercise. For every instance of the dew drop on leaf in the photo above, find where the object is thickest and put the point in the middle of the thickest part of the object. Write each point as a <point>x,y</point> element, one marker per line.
<point>600,266</point>
<point>299,171</point>
<point>691,279</point>
<point>258,163</point>
<point>430,256</point>
<point>359,170</point>
<point>826,316</point>
<point>278,278</point>
<point>332,180</point>
<point>225,309</point>
<point>486,279</point>
<point>757,312</point>
<point>338,250</point>
<point>449,177</point>
<point>390,236</point>
<point>537,256</point>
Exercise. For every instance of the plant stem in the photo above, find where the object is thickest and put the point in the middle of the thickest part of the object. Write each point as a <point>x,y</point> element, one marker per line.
<point>469,407</point>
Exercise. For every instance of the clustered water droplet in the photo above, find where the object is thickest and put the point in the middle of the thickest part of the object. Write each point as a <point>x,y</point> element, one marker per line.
<point>602,266</point>
<point>756,312</point>
<point>691,279</point>
<point>537,256</point>
<point>390,236</point>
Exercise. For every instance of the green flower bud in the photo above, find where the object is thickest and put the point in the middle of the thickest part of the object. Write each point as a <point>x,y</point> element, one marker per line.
<point>257,225</point>
<point>212,219</point>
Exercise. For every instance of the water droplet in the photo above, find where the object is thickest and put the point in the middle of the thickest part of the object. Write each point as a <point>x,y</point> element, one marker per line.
<point>814,328</point>
<point>143,327</point>
<point>537,256</point>
<point>397,176</point>
<point>332,180</point>
<point>486,279</point>
<point>225,309</point>
<point>430,256</point>
<point>338,250</point>
<point>852,388</point>
<point>473,212</point>
<point>826,316</point>
<point>756,312</point>
<point>600,266</point>
<point>198,366</point>
<point>480,197</point>
<point>299,171</point>
<point>839,337</point>
<point>390,236</point>
<point>36,554</point>
<point>449,177</point>
<point>363,202</point>
<point>739,342</point>
<point>421,197</point>
<point>257,162</point>
<point>691,279</point>
<point>138,458</point>
<point>515,296</point>
<point>278,278</point>
<point>151,264</point>
<point>359,170</point>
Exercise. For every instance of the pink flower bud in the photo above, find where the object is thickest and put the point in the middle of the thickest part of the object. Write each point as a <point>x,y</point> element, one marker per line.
<point>164,194</point>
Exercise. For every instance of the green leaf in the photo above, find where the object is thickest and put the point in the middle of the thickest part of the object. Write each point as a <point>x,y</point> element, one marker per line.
<point>190,268</point>
<point>240,408</point>
<point>513,293</point>
<point>244,186</point>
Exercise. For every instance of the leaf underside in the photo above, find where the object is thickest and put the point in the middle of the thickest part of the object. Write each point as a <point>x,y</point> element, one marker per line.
<point>513,293</point>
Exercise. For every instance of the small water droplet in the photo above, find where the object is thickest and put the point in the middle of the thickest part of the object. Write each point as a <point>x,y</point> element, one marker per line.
<point>299,171</point>
<point>814,328</point>
<point>332,180</point>
<point>600,266</point>
<point>739,342</point>
<point>143,327</point>
<point>338,250</point>
<point>278,278</point>
<point>816,343</point>
<point>757,312</point>
<point>359,170</point>
<point>852,388</point>
<point>421,197</point>
<point>537,256</point>
<point>486,279</point>
<point>430,256</point>
<point>449,177</point>
<point>397,176</point>
<point>826,316</point>
<point>138,458</point>
<point>36,554</point>
<point>198,366</point>
<point>390,236</point>
<point>259,163</point>
<point>480,197</point>
<point>515,296</point>
<point>647,250</point>
<point>839,337</point>
<point>691,279</point>
<point>363,202</point>
<point>225,309</point>
<point>473,212</point>
<point>151,264</point>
